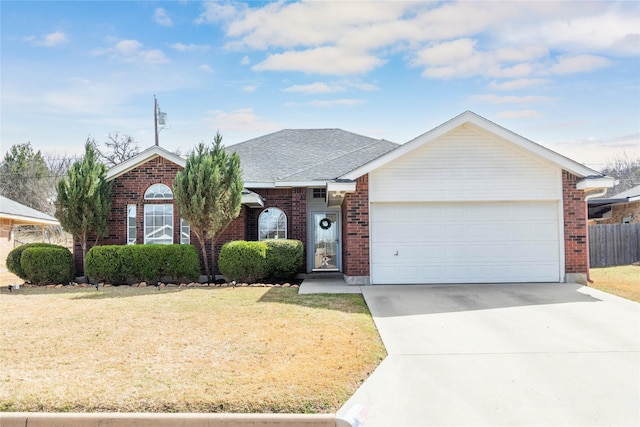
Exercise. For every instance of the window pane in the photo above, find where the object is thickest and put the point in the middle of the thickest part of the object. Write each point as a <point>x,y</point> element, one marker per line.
<point>131,224</point>
<point>272,224</point>
<point>185,232</point>
<point>158,192</point>
<point>158,224</point>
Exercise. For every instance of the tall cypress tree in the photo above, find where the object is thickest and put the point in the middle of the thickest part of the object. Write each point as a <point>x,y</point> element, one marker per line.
<point>208,193</point>
<point>84,199</point>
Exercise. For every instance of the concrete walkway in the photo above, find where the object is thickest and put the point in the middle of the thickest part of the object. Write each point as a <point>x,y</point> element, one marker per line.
<point>332,285</point>
<point>525,354</point>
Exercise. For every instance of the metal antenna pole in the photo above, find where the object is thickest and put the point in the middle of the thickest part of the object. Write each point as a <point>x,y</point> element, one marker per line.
<point>155,117</point>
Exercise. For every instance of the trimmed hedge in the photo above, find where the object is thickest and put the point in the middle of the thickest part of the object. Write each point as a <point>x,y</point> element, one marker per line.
<point>284,258</point>
<point>13,258</point>
<point>243,261</point>
<point>133,263</point>
<point>248,262</point>
<point>44,265</point>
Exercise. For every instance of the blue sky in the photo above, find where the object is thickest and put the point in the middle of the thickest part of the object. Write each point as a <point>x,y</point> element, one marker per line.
<point>563,74</point>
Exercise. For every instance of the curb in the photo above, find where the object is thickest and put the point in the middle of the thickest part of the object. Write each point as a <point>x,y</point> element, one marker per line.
<point>36,419</point>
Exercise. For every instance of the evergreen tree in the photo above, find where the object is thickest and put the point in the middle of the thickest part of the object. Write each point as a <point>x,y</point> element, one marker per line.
<point>208,193</point>
<point>84,199</point>
<point>24,177</point>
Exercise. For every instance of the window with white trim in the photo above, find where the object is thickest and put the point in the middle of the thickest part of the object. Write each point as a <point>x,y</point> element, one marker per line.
<point>158,192</point>
<point>131,224</point>
<point>272,224</point>
<point>158,224</point>
<point>185,232</point>
<point>158,218</point>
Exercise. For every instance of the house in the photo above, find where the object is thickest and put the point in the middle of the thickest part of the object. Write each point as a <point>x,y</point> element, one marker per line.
<point>13,213</point>
<point>622,208</point>
<point>467,202</point>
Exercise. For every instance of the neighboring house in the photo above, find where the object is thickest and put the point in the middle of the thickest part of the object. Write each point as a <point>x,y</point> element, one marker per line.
<point>622,208</point>
<point>13,213</point>
<point>467,202</point>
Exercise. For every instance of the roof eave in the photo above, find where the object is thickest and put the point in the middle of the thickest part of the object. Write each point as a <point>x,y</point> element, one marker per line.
<point>595,183</point>
<point>143,157</point>
<point>30,220</point>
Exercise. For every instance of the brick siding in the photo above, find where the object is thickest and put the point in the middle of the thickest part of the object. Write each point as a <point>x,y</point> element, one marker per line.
<point>355,230</point>
<point>292,201</point>
<point>576,250</point>
<point>130,187</point>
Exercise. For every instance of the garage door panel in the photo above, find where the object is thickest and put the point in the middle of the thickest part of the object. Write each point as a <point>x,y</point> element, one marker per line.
<point>465,243</point>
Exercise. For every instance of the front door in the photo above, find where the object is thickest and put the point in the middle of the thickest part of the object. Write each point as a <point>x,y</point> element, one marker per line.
<point>326,242</point>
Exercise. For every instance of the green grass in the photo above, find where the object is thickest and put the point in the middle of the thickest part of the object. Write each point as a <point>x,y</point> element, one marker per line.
<point>183,350</point>
<point>623,281</point>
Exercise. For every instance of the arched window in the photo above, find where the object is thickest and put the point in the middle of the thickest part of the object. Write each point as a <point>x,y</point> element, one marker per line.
<point>272,224</point>
<point>158,218</point>
<point>158,192</point>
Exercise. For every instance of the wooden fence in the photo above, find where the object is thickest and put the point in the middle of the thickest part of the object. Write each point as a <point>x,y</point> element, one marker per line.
<point>614,244</point>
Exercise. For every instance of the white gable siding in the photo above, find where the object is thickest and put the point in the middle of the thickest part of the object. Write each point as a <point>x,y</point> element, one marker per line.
<point>466,164</point>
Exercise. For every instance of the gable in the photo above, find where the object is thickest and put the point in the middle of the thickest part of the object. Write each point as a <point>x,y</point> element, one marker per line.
<point>497,131</point>
<point>154,152</point>
<point>466,164</point>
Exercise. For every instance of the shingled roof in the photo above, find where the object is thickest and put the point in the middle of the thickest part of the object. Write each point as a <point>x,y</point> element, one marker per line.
<point>11,209</point>
<point>304,155</point>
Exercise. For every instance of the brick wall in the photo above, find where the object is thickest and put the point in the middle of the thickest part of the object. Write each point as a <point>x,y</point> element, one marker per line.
<point>129,188</point>
<point>292,201</point>
<point>576,253</point>
<point>355,230</point>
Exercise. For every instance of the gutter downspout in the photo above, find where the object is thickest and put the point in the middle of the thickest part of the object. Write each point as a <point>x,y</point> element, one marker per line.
<point>587,197</point>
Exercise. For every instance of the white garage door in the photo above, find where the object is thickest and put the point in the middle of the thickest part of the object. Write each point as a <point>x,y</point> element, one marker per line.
<point>464,242</point>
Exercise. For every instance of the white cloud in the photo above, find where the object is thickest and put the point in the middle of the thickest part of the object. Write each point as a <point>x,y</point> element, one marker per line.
<point>596,27</point>
<point>161,17</point>
<point>517,84</point>
<point>249,88</point>
<point>460,58</point>
<point>318,87</point>
<point>596,152</point>
<point>579,64</point>
<point>337,102</point>
<point>240,120</point>
<point>245,60</point>
<point>216,12</point>
<point>446,53</point>
<point>131,51</point>
<point>54,39</point>
<point>515,40</point>
<point>496,99</point>
<point>321,60</point>
<point>181,47</point>
<point>205,68</point>
<point>519,114</point>
<point>332,87</point>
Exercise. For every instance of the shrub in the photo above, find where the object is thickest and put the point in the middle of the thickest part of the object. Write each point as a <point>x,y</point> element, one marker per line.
<point>13,258</point>
<point>284,258</point>
<point>43,265</point>
<point>181,262</point>
<point>120,264</point>
<point>105,264</point>
<point>146,260</point>
<point>243,261</point>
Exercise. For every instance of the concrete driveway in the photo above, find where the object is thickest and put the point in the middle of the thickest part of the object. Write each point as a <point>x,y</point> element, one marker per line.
<point>525,354</point>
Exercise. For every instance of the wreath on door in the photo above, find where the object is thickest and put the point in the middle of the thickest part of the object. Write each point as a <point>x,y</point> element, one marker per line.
<point>325,223</point>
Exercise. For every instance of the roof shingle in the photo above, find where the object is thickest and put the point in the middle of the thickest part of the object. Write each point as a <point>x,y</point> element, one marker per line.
<point>300,155</point>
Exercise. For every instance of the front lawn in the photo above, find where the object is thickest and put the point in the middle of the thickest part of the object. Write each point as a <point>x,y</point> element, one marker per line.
<point>183,350</point>
<point>623,281</point>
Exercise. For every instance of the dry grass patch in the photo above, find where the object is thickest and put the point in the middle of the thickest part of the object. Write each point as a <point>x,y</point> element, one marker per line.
<point>623,281</point>
<point>183,350</point>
